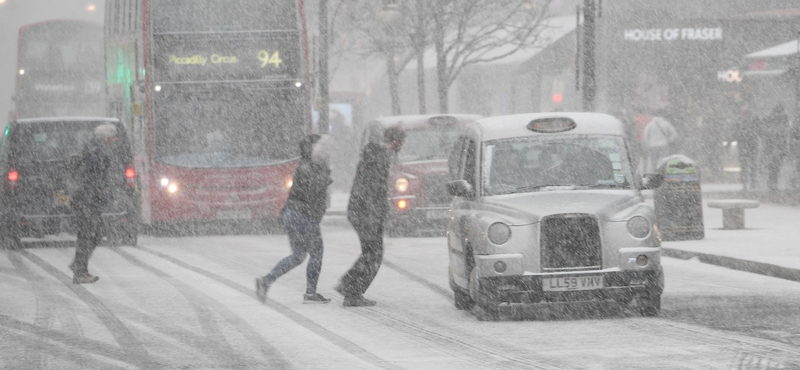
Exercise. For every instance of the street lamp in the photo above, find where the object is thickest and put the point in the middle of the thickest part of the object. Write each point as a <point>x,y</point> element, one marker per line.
<point>391,17</point>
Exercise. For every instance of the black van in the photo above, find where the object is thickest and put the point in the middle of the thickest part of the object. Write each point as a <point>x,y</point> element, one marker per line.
<point>39,158</point>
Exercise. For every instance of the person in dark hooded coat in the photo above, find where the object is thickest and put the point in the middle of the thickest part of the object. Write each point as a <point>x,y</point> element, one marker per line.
<point>776,143</point>
<point>302,215</point>
<point>93,194</point>
<point>366,211</point>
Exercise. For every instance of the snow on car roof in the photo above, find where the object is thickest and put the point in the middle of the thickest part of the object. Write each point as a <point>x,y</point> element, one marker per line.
<point>502,127</point>
<point>67,119</point>
<point>410,122</point>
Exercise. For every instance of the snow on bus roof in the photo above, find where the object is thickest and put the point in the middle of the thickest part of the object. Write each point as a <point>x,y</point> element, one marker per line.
<point>410,122</point>
<point>503,127</point>
<point>67,119</point>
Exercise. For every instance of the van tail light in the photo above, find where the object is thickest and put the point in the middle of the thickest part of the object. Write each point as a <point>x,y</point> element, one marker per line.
<point>130,176</point>
<point>13,177</point>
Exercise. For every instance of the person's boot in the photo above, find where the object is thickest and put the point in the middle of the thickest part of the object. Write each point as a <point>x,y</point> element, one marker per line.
<point>358,302</point>
<point>84,278</point>
<point>315,298</point>
<point>261,289</point>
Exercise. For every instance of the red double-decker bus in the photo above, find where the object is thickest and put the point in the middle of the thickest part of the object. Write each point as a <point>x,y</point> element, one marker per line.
<point>215,96</point>
<point>60,70</point>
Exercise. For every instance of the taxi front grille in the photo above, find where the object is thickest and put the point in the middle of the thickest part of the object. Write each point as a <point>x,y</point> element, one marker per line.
<point>570,242</point>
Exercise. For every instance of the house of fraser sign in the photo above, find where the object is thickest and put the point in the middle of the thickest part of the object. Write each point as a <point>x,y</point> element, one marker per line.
<point>673,34</point>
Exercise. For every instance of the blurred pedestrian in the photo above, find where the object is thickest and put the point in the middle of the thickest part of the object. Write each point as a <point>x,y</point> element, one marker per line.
<point>91,197</point>
<point>776,140</point>
<point>657,137</point>
<point>366,211</point>
<point>746,137</point>
<point>308,199</point>
<point>794,149</point>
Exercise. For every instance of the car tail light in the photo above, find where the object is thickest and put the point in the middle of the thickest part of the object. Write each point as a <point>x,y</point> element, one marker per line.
<point>13,177</point>
<point>130,176</point>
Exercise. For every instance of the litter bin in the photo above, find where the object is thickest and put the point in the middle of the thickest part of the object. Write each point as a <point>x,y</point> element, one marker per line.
<point>679,202</point>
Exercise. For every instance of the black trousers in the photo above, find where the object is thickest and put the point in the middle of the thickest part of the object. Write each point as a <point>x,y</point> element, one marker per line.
<point>90,233</point>
<point>358,279</point>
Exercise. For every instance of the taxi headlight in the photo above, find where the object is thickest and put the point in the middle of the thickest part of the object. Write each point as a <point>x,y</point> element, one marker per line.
<point>401,185</point>
<point>499,233</point>
<point>639,227</point>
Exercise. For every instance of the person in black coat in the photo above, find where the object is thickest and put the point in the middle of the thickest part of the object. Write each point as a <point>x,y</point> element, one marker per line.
<point>777,132</point>
<point>746,134</point>
<point>302,215</point>
<point>366,211</point>
<point>92,195</point>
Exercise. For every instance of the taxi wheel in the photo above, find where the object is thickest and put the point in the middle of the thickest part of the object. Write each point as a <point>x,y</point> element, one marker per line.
<point>485,309</point>
<point>649,305</point>
<point>462,300</point>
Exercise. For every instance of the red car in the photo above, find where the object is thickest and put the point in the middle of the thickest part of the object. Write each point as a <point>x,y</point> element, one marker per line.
<point>417,180</point>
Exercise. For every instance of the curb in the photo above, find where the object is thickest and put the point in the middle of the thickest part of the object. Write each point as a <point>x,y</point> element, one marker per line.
<point>736,264</point>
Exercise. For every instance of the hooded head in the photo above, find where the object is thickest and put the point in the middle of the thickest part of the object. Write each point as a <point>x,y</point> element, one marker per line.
<point>322,149</point>
<point>307,145</point>
<point>105,132</point>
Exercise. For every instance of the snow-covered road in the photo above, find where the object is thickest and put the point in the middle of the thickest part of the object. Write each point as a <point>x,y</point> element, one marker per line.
<point>189,303</point>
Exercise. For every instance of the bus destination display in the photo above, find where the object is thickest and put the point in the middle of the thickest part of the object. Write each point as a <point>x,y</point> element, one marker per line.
<point>180,59</point>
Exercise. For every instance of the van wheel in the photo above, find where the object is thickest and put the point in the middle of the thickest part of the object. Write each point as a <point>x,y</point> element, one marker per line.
<point>11,241</point>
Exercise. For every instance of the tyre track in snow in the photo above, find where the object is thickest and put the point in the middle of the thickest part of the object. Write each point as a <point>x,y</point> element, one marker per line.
<point>47,304</point>
<point>77,357</point>
<point>135,350</point>
<point>80,344</point>
<point>298,318</point>
<point>657,327</point>
<point>200,303</point>
<point>478,349</point>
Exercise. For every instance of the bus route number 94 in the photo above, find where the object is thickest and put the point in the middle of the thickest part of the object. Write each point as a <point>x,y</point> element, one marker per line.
<point>266,58</point>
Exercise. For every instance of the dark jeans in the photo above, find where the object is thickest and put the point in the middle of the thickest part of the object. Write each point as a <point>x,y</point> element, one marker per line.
<point>304,237</point>
<point>356,281</point>
<point>90,233</point>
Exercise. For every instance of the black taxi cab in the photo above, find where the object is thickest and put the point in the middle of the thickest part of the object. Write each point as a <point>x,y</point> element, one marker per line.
<point>547,208</point>
<point>39,159</point>
<point>419,199</point>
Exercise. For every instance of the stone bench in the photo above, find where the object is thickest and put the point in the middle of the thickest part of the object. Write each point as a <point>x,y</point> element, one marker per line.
<point>733,211</point>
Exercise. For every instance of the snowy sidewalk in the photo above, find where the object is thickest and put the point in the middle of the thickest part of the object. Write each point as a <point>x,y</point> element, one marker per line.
<point>769,244</point>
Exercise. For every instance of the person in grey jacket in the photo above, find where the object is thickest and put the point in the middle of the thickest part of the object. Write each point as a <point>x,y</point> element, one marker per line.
<point>302,215</point>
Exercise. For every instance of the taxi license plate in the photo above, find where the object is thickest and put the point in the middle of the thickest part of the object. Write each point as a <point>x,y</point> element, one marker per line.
<point>61,198</point>
<point>570,283</point>
<point>233,215</point>
<point>436,213</point>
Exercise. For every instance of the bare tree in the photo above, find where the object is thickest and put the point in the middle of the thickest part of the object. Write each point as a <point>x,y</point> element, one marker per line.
<point>467,32</point>
<point>385,29</point>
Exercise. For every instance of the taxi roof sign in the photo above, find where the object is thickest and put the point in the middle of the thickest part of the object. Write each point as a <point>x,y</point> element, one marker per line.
<point>551,125</point>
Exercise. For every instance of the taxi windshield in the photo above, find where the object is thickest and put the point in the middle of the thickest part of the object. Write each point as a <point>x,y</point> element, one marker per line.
<point>424,145</point>
<point>566,162</point>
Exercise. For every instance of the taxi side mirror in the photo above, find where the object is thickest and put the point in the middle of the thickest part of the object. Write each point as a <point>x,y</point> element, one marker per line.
<point>459,188</point>
<point>652,181</point>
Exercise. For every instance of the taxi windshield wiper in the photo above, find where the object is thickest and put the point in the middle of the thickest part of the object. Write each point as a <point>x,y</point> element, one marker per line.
<point>537,187</point>
<point>603,186</point>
